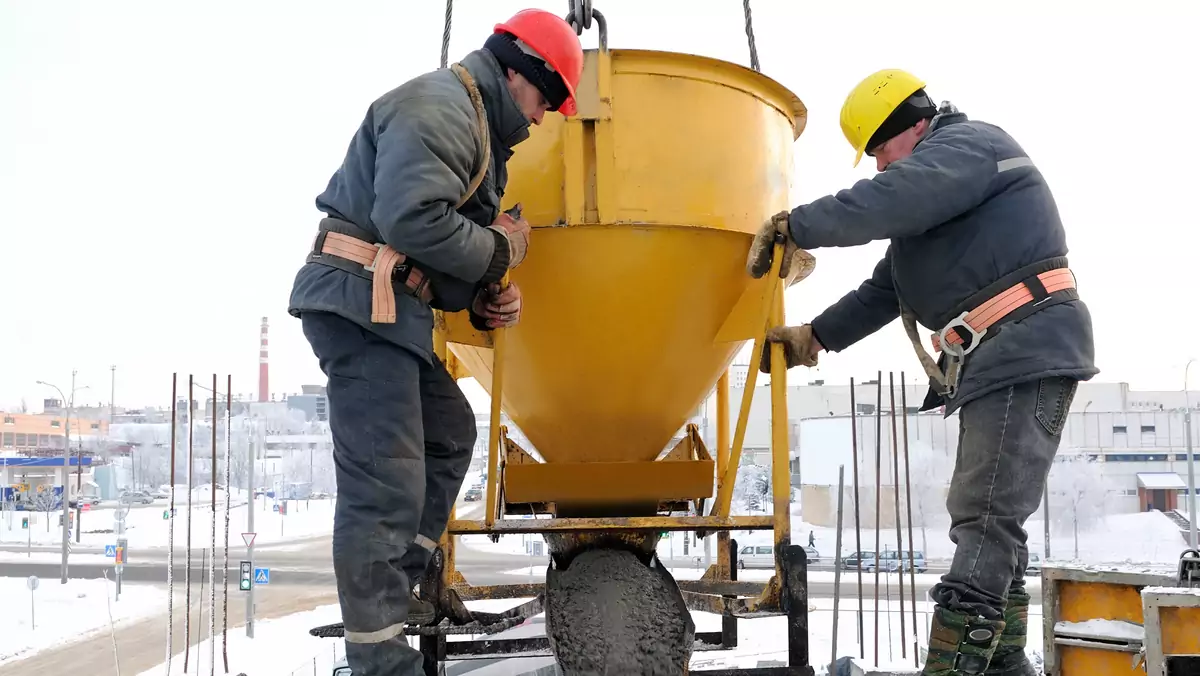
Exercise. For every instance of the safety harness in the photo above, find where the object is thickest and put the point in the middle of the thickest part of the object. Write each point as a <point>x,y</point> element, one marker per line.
<point>1013,297</point>
<point>346,246</point>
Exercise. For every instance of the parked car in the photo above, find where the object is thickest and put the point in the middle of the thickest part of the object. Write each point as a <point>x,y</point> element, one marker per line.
<point>131,497</point>
<point>474,494</point>
<point>763,556</point>
<point>859,559</point>
<point>84,499</point>
<point>1034,567</point>
<point>892,561</point>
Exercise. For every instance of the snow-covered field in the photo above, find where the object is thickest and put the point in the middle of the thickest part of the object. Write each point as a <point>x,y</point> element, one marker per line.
<point>146,527</point>
<point>66,613</point>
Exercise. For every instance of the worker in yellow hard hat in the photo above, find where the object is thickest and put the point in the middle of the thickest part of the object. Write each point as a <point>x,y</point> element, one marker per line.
<point>977,253</point>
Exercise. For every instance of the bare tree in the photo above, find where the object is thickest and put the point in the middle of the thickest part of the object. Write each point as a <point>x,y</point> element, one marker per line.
<point>46,502</point>
<point>1077,493</point>
<point>930,474</point>
<point>153,465</point>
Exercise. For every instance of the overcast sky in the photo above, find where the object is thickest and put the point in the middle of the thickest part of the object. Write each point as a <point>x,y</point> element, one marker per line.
<point>159,161</point>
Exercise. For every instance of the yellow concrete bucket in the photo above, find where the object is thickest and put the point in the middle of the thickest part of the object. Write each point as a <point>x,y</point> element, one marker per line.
<point>636,297</point>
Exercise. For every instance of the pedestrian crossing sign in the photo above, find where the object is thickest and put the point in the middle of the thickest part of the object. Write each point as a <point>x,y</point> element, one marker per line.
<point>110,551</point>
<point>262,576</point>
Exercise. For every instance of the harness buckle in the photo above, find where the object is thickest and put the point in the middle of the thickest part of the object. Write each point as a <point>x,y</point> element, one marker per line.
<point>378,254</point>
<point>958,325</point>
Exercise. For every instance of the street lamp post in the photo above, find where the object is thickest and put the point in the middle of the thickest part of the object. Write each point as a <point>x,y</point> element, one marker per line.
<point>66,514</point>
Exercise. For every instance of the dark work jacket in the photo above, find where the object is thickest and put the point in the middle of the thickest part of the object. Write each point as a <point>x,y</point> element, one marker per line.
<point>409,163</point>
<point>965,209</point>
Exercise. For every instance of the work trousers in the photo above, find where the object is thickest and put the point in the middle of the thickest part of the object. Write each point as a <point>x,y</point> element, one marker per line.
<point>1007,441</point>
<point>402,439</point>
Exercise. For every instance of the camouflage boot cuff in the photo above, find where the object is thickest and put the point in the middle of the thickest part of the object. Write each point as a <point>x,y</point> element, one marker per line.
<point>1010,658</point>
<point>960,644</point>
<point>1016,622</point>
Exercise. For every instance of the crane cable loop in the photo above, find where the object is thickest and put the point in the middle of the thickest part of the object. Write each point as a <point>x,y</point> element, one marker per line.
<point>601,23</point>
<point>580,15</point>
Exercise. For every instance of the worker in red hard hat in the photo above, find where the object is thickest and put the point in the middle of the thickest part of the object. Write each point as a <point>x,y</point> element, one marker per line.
<point>413,224</point>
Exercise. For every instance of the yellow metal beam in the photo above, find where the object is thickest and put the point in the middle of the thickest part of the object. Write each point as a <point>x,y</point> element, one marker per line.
<point>497,393</point>
<point>780,475</point>
<point>660,523</point>
<point>725,485</point>
<point>608,482</point>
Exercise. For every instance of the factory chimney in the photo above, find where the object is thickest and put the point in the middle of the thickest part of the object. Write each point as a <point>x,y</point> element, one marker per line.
<point>262,362</point>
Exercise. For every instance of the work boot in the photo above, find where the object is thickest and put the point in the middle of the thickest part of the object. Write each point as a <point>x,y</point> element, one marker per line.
<point>960,644</point>
<point>1010,658</point>
<point>420,611</point>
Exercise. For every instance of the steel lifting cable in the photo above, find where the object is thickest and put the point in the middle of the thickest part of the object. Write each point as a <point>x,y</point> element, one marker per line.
<point>750,37</point>
<point>446,34</point>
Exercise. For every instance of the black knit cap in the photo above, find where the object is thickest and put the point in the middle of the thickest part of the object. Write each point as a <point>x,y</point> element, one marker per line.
<point>510,55</point>
<point>914,109</point>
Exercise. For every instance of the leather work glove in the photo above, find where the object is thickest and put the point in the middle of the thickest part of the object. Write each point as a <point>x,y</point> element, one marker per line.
<point>797,263</point>
<point>800,347</point>
<point>516,230</point>
<point>498,309</point>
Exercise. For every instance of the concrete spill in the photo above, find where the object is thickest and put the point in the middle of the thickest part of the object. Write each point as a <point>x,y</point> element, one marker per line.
<point>608,613</point>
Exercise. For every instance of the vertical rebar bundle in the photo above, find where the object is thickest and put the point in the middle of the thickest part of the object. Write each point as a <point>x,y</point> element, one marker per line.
<point>187,577</point>
<point>837,565</point>
<point>857,520</point>
<point>878,495</point>
<point>912,573</point>
<point>228,490</point>
<point>896,493</point>
<point>212,543</point>
<point>171,528</point>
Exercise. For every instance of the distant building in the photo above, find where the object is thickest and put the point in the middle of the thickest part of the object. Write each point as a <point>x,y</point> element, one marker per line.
<point>1136,437</point>
<point>39,434</point>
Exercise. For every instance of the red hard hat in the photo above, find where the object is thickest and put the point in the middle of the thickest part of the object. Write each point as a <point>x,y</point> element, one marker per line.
<point>555,41</point>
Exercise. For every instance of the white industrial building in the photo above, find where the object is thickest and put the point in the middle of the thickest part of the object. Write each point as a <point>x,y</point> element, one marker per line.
<point>1131,444</point>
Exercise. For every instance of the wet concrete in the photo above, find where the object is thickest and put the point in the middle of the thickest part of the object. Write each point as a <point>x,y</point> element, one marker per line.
<point>609,613</point>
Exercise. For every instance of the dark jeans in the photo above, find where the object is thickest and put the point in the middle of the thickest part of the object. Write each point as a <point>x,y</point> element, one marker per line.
<point>1007,440</point>
<point>402,439</point>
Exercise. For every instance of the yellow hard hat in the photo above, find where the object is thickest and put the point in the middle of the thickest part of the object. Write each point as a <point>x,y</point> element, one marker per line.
<point>871,102</point>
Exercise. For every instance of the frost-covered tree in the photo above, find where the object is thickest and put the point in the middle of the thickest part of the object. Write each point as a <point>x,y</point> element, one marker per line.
<point>46,502</point>
<point>1077,493</point>
<point>752,489</point>
<point>930,473</point>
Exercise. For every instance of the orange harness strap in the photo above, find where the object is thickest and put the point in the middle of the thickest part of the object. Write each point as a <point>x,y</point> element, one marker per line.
<point>381,261</point>
<point>1003,303</point>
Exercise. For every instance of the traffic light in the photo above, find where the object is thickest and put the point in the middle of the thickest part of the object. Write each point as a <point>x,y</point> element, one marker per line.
<point>247,573</point>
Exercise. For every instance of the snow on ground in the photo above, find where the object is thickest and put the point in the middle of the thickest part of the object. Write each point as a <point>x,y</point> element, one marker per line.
<point>146,527</point>
<point>1102,629</point>
<point>66,613</point>
<point>759,640</point>
<point>53,557</point>
<point>283,646</point>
